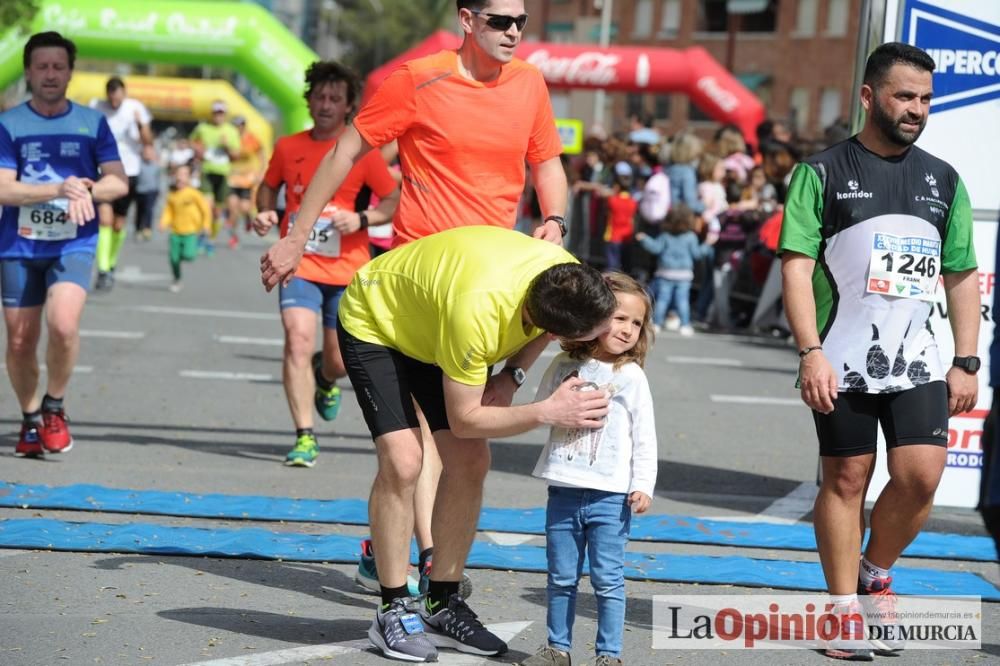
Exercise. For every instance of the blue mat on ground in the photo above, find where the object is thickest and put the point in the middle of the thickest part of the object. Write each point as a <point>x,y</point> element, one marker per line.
<point>257,543</point>
<point>665,528</point>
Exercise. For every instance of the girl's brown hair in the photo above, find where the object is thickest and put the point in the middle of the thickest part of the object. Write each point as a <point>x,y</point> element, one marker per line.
<point>679,219</point>
<point>706,167</point>
<point>620,283</point>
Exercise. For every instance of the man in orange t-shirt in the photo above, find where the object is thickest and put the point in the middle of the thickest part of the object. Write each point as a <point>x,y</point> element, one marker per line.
<point>466,123</point>
<point>337,247</point>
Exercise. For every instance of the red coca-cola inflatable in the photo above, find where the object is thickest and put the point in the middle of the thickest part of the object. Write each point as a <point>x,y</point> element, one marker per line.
<point>692,71</point>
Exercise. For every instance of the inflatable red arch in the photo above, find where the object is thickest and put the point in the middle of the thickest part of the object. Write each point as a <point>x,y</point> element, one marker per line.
<point>692,71</point>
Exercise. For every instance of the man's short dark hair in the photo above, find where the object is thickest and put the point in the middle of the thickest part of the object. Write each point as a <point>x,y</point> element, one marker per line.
<point>322,72</point>
<point>113,84</point>
<point>884,57</point>
<point>41,40</point>
<point>570,300</point>
<point>470,4</point>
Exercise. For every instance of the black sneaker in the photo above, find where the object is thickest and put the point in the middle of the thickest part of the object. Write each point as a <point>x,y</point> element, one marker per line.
<point>458,628</point>
<point>398,633</point>
<point>104,282</point>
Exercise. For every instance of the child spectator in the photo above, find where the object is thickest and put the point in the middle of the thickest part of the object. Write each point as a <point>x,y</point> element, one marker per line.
<point>620,227</point>
<point>598,478</point>
<point>676,250</point>
<point>186,215</point>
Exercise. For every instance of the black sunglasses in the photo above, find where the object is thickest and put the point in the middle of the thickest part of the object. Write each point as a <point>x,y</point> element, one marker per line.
<point>502,22</point>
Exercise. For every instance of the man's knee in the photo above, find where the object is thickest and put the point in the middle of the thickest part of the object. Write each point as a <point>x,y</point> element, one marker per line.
<point>845,481</point>
<point>919,486</point>
<point>469,459</point>
<point>299,343</point>
<point>399,466</point>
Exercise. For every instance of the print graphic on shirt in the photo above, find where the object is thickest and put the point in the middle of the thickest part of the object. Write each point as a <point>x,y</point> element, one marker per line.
<point>580,444</point>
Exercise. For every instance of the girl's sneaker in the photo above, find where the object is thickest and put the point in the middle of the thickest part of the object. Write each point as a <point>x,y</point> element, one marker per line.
<point>548,656</point>
<point>687,331</point>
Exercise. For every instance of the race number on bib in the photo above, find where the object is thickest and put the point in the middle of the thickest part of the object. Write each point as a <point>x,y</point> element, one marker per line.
<point>324,239</point>
<point>905,266</point>
<point>218,155</point>
<point>46,222</point>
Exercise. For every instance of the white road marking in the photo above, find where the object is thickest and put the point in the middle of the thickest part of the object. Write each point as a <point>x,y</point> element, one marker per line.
<point>509,538</point>
<point>757,400</point>
<point>506,631</point>
<point>80,369</point>
<point>228,376</point>
<point>705,360</point>
<point>134,274</point>
<point>239,340</point>
<point>116,335</point>
<point>204,312</point>
<point>792,506</point>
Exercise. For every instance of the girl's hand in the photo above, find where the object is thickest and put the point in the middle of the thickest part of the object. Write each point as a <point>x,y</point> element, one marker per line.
<point>639,501</point>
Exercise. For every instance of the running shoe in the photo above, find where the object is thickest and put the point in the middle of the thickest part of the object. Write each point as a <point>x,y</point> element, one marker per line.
<point>54,432</point>
<point>327,401</point>
<point>304,453</point>
<point>464,587</point>
<point>548,656</point>
<point>457,627</point>
<point>885,635</point>
<point>367,574</point>
<point>103,282</point>
<point>29,444</point>
<point>851,644</point>
<point>398,633</point>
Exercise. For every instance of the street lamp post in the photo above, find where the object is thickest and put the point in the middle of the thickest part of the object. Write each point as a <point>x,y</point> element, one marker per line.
<point>604,39</point>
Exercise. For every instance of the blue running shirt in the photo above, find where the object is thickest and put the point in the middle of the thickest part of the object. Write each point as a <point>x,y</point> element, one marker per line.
<point>46,149</point>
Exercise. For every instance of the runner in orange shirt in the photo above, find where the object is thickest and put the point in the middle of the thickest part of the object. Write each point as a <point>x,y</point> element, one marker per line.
<point>337,246</point>
<point>466,123</point>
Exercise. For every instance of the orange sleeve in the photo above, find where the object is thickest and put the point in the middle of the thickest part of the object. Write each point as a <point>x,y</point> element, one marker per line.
<point>544,143</point>
<point>276,166</point>
<point>390,112</point>
<point>377,175</point>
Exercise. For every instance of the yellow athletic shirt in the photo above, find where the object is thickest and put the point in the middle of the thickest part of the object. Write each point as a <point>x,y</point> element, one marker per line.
<point>453,299</point>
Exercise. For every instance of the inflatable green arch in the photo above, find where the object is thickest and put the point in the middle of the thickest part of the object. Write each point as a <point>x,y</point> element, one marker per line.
<point>240,36</point>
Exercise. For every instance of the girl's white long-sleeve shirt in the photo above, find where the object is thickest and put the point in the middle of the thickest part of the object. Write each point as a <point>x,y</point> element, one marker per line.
<point>619,457</point>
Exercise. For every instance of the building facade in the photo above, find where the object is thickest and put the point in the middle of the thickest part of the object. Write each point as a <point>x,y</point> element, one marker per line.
<point>797,56</point>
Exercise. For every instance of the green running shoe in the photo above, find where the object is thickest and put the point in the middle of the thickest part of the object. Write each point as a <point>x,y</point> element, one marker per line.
<point>305,452</point>
<point>327,402</point>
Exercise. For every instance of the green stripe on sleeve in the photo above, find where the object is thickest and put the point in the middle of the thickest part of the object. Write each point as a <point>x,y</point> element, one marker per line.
<point>803,217</point>
<point>959,251</point>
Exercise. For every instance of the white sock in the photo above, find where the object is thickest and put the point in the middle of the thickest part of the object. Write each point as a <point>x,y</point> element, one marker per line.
<point>841,600</point>
<point>869,572</point>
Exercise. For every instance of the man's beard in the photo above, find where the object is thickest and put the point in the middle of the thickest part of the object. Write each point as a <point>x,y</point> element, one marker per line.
<point>890,127</point>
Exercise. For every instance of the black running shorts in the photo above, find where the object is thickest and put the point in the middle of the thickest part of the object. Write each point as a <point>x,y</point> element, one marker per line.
<point>916,416</point>
<point>384,381</point>
<point>121,205</point>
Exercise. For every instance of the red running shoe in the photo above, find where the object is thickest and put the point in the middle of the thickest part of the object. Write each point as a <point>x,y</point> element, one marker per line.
<point>55,433</point>
<point>29,445</point>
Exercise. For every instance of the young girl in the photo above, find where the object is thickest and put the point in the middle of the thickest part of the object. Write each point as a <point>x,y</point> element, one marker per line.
<point>598,478</point>
<point>186,214</point>
<point>676,251</point>
<point>620,227</point>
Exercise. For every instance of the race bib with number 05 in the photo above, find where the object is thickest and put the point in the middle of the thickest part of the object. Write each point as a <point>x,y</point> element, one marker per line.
<point>324,239</point>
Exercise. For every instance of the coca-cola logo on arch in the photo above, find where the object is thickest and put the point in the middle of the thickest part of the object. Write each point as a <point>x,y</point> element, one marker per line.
<point>590,68</point>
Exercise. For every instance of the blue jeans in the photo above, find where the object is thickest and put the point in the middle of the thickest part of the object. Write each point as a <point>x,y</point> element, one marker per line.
<point>580,522</point>
<point>675,292</point>
<point>613,255</point>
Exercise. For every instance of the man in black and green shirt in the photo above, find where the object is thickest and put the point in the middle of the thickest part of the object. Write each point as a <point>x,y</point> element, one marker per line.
<point>873,228</point>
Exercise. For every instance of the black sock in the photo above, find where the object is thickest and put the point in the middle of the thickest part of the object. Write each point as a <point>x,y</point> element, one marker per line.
<point>438,593</point>
<point>322,381</point>
<point>391,593</point>
<point>425,555</point>
<point>299,432</point>
<point>50,404</point>
<point>32,418</point>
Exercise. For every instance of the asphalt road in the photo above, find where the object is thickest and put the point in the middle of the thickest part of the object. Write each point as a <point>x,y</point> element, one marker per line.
<point>182,392</point>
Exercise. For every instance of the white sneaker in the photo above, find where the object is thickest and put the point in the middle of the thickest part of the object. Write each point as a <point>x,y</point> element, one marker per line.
<point>687,331</point>
<point>176,286</point>
<point>657,328</point>
<point>673,324</point>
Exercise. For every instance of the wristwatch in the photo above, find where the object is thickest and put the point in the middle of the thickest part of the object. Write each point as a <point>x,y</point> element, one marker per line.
<point>558,219</point>
<point>517,374</point>
<point>970,364</point>
<point>363,219</point>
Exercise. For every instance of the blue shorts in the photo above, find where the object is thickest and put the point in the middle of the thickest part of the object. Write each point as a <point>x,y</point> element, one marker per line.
<point>24,283</point>
<point>313,295</point>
